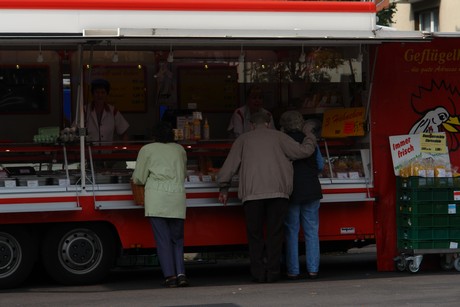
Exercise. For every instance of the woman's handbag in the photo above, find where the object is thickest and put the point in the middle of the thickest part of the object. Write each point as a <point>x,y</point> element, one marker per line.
<point>138,193</point>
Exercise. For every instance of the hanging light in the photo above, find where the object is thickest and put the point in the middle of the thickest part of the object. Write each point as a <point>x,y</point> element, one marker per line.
<point>115,55</point>
<point>40,55</point>
<point>302,56</point>
<point>170,58</point>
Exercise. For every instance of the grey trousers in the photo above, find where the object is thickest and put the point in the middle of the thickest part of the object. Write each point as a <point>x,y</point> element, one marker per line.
<point>169,237</point>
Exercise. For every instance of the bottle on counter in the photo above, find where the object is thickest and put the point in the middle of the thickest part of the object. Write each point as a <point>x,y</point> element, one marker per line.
<point>196,127</point>
<point>206,130</point>
<point>187,135</point>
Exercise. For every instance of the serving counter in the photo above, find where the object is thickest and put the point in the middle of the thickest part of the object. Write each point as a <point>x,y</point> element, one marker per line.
<point>54,170</point>
<point>28,167</point>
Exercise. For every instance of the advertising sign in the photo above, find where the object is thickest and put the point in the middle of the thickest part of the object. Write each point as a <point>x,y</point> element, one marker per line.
<point>343,122</point>
<point>407,148</point>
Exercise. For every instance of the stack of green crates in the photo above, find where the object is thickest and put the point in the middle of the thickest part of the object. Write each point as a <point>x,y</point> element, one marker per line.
<point>428,213</point>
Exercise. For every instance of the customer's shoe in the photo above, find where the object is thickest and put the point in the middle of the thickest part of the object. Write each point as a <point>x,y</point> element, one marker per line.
<point>182,281</point>
<point>294,277</point>
<point>312,275</point>
<point>170,282</point>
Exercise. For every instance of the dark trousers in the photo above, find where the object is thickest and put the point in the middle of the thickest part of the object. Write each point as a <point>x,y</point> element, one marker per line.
<point>169,237</point>
<point>265,243</point>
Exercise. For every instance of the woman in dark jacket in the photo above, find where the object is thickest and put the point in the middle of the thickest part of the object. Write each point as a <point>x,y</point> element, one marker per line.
<point>304,202</point>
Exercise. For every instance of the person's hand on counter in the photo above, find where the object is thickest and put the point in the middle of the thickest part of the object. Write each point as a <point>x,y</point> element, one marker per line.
<point>223,196</point>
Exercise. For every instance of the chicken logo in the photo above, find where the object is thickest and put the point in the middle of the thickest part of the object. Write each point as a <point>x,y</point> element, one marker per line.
<point>436,106</point>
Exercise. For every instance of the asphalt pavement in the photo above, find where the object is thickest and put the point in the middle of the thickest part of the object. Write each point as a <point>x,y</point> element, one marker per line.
<point>347,279</point>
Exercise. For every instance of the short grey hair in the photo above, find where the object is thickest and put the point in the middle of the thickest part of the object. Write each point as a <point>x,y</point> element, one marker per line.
<point>260,117</point>
<point>291,121</point>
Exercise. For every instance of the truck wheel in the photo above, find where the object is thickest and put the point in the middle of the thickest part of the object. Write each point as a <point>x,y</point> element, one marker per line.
<point>78,254</point>
<point>18,253</point>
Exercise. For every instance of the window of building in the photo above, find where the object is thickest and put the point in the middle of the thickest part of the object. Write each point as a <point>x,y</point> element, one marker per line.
<point>427,20</point>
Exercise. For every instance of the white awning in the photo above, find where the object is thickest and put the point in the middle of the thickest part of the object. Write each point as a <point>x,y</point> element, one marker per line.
<point>74,21</point>
<point>327,24</point>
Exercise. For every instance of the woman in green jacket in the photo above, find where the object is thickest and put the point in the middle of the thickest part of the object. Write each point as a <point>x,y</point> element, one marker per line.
<point>162,166</point>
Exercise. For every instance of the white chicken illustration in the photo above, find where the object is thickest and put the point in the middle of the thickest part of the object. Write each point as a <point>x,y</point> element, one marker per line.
<point>433,120</point>
<point>437,107</point>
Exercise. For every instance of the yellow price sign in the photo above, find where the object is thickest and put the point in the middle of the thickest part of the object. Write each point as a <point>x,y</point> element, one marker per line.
<point>433,143</point>
<point>343,122</point>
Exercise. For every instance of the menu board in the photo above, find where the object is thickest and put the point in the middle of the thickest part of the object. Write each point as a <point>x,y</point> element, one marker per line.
<point>209,88</point>
<point>127,86</point>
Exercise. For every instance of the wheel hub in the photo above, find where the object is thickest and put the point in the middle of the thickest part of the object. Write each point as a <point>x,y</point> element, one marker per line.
<point>80,251</point>
<point>10,255</point>
<point>6,254</point>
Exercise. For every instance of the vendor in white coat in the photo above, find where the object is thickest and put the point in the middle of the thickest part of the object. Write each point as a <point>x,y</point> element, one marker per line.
<point>103,120</point>
<point>241,118</point>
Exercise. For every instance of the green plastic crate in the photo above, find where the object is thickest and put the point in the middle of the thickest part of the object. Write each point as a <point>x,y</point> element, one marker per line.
<point>429,194</point>
<point>424,220</point>
<point>423,233</point>
<point>453,182</point>
<point>454,233</point>
<point>429,220</point>
<point>426,244</point>
<point>427,182</point>
<point>415,182</point>
<point>428,207</point>
<point>454,220</point>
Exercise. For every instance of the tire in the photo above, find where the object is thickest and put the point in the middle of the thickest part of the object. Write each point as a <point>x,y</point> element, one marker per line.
<point>413,268</point>
<point>18,254</point>
<point>401,265</point>
<point>78,254</point>
<point>456,264</point>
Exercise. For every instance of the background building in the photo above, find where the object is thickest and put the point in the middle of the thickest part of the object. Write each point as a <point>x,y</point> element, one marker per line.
<point>427,15</point>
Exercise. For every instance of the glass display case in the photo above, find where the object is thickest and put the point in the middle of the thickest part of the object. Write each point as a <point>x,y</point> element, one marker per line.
<point>33,167</point>
<point>345,162</point>
<point>60,165</point>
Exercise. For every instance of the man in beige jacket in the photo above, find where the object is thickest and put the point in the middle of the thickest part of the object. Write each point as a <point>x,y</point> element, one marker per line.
<point>262,158</point>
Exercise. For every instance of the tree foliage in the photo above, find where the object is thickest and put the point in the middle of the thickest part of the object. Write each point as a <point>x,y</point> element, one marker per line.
<point>385,16</point>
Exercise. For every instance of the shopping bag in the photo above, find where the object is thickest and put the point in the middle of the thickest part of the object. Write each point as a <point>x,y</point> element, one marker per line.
<point>138,193</point>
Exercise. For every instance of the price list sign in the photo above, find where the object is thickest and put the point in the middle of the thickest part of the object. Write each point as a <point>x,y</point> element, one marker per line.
<point>433,143</point>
